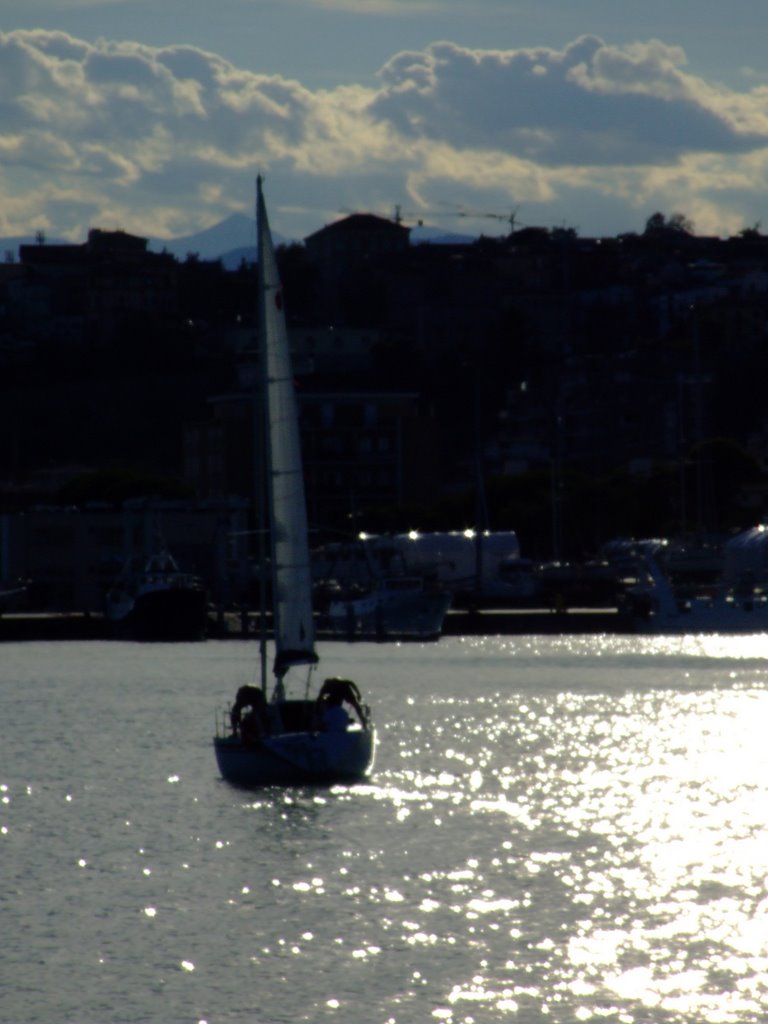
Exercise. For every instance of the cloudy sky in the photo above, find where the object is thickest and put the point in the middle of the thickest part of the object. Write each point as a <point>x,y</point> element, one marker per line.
<point>154,116</point>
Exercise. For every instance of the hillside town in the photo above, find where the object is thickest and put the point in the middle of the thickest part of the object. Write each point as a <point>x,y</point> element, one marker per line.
<point>572,390</point>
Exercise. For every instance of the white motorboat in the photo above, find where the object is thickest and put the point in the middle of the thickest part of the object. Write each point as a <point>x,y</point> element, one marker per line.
<point>731,606</point>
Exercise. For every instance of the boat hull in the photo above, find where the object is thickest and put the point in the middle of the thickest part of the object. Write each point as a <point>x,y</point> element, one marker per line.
<point>173,614</point>
<point>417,617</point>
<point>705,619</point>
<point>165,614</point>
<point>300,758</point>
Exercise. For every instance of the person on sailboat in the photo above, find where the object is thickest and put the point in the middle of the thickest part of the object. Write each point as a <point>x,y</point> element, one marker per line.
<point>255,723</point>
<point>332,715</point>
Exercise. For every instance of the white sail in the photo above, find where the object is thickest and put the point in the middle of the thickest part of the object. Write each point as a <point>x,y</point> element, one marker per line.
<point>291,572</point>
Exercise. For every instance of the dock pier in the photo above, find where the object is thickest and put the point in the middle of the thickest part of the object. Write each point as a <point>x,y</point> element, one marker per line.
<point>26,626</point>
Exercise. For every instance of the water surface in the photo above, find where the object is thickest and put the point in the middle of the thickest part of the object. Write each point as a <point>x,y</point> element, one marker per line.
<point>558,830</point>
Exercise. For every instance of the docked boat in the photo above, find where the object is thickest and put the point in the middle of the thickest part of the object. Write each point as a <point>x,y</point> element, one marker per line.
<point>277,738</point>
<point>736,604</point>
<point>389,608</point>
<point>153,599</point>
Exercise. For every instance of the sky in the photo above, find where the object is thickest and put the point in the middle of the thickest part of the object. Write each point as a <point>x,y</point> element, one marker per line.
<point>155,116</point>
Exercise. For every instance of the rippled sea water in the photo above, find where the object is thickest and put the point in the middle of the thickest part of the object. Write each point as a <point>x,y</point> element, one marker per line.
<point>559,829</point>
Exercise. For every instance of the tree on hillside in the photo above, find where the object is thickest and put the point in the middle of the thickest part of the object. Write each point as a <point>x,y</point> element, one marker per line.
<point>676,224</point>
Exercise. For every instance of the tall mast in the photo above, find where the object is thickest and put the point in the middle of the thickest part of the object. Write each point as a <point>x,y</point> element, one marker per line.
<point>260,431</point>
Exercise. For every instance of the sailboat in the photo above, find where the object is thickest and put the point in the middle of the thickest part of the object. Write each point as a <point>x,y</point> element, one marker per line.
<point>277,740</point>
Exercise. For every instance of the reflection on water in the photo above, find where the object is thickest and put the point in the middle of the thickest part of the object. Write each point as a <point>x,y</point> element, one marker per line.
<point>559,829</point>
<point>621,857</point>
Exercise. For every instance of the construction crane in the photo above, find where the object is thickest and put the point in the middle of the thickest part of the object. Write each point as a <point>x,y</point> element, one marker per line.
<point>399,215</point>
<point>510,218</point>
<point>418,217</point>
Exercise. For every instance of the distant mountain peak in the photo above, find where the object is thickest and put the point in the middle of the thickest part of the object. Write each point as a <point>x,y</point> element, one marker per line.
<point>234,232</point>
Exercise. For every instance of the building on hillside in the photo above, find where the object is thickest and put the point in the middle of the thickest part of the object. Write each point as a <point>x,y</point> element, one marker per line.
<point>108,288</point>
<point>346,255</point>
<point>360,449</point>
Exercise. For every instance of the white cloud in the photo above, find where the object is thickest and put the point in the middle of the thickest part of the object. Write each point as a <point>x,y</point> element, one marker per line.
<point>165,140</point>
<point>588,103</point>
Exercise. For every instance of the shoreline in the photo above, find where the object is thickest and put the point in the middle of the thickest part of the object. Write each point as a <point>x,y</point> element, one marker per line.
<point>54,626</point>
